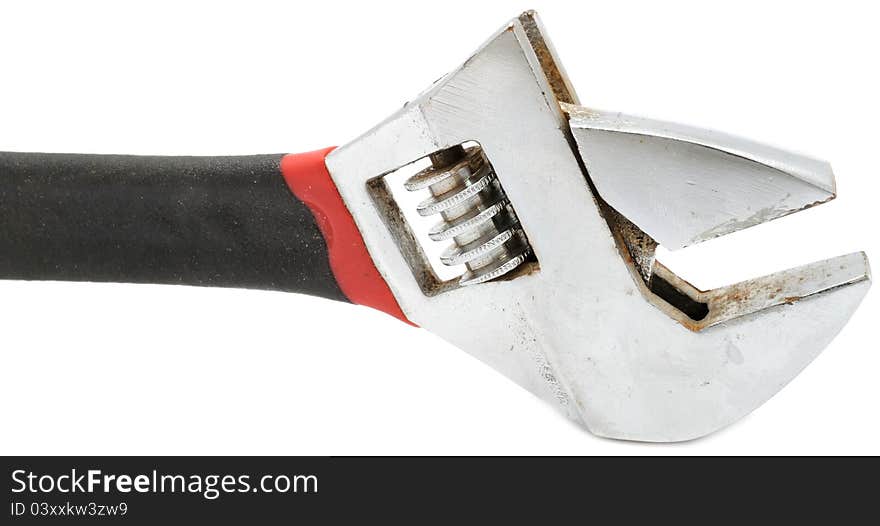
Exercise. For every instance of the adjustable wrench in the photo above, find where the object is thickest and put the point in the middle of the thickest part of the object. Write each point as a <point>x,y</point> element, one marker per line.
<point>551,213</point>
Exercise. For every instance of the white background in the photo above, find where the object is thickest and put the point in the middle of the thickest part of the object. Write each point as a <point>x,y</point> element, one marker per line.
<point>124,369</point>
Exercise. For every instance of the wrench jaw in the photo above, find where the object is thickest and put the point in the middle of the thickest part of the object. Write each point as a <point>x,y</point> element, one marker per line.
<point>682,185</point>
<point>690,384</point>
<point>666,183</point>
<point>597,327</point>
<point>736,346</point>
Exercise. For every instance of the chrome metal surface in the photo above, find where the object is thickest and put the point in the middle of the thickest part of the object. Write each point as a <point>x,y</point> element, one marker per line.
<point>476,214</point>
<point>682,185</point>
<point>601,330</point>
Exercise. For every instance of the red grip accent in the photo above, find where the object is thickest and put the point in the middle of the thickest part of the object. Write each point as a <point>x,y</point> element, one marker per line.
<point>354,270</point>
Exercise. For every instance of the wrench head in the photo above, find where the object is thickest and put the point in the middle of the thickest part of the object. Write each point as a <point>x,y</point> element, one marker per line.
<point>594,325</point>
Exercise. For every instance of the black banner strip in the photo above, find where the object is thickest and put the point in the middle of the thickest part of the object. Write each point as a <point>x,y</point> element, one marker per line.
<point>261,490</point>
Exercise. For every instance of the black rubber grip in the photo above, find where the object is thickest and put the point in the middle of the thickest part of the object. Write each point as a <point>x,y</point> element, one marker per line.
<point>207,221</point>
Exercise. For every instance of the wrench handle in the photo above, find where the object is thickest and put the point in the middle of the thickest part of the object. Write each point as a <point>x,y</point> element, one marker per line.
<point>205,221</point>
<point>274,222</point>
